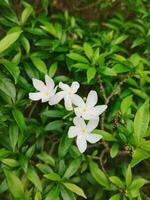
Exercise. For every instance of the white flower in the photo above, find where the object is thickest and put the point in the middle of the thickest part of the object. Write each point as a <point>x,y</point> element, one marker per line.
<point>45,91</point>
<point>83,132</point>
<point>88,110</point>
<point>68,94</point>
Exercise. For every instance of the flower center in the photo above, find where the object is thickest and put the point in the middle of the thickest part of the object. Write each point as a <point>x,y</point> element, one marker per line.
<point>46,94</point>
<point>83,130</point>
<point>69,93</point>
<point>84,109</point>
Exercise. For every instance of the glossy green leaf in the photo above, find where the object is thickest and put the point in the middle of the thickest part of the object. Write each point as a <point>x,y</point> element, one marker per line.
<point>39,64</point>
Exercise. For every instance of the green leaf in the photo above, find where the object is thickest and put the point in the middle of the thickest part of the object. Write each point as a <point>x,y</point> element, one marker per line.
<point>4,153</point>
<point>120,39</point>
<point>138,156</point>
<point>136,185</point>
<point>53,69</point>
<point>54,113</point>
<point>19,118</point>
<point>66,194</point>
<point>81,66</point>
<point>99,175</point>
<point>114,150</point>
<point>53,176</point>
<point>26,44</point>
<point>38,196</point>
<point>88,50</point>
<point>14,184</point>
<point>72,169</point>
<point>106,136</point>
<point>91,72</point>
<point>9,39</point>
<point>34,178</point>
<point>13,135</point>
<point>76,189</point>
<point>54,193</point>
<point>125,104</point>
<point>128,176</point>
<point>26,13</point>
<point>117,181</point>
<point>12,68</point>
<point>39,64</point>
<point>141,121</point>
<point>7,87</point>
<point>120,68</point>
<point>64,146</point>
<point>95,57</point>
<point>46,158</point>
<point>137,42</point>
<point>115,197</point>
<point>50,28</point>
<point>55,125</point>
<point>77,57</point>
<point>145,145</point>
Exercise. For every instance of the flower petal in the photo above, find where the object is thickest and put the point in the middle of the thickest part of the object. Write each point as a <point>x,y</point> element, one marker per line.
<point>35,96</point>
<point>39,85</point>
<point>93,138</point>
<point>97,110</point>
<point>73,131</point>
<point>77,100</point>
<point>64,86</point>
<point>75,86</point>
<point>81,143</point>
<point>49,82</point>
<point>68,103</point>
<point>79,122</point>
<point>92,124</point>
<point>57,98</point>
<point>91,99</point>
<point>78,111</point>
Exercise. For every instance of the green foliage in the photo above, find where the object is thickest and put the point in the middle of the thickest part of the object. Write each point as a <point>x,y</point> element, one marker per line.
<point>111,55</point>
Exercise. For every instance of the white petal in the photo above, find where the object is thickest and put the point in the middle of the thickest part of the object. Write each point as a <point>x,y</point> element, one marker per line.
<point>92,124</point>
<point>97,110</point>
<point>91,99</point>
<point>75,86</point>
<point>57,98</point>
<point>68,103</point>
<point>73,131</point>
<point>78,112</point>
<point>81,143</point>
<point>49,82</point>
<point>88,116</point>
<point>64,86</point>
<point>77,100</point>
<point>93,138</point>
<point>39,85</point>
<point>35,96</point>
<point>79,122</point>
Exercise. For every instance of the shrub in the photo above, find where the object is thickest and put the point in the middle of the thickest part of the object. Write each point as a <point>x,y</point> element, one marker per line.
<point>110,56</point>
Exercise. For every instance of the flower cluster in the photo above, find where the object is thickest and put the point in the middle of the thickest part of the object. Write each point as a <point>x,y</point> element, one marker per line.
<point>84,110</point>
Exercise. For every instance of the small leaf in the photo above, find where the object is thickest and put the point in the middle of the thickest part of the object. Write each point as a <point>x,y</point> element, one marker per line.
<point>114,150</point>
<point>34,178</point>
<point>66,194</point>
<point>116,180</point>
<point>128,176</point>
<point>14,184</point>
<point>77,57</point>
<point>81,66</point>
<point>19,118</point>
<point>12,68</point>
<point>88,50</point>
<point>99,175</point>
<point>26,13</point>
<point>106,136</point>
<point>64,146</point>
<point>125,104</point>
<point>91,72</point>
<point>73,167</point>
<point>9,39</point>
<point>53,69</point>
<point>13,135</point>
<point>39,64</point>
<point>141,121</point>
<point>55,125</point>
<point>53,176</point>
<point>138,156</point>
<point>46,158</point>
<point>115,197</point>
<point>54,193</point>
<point>76,189</point>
